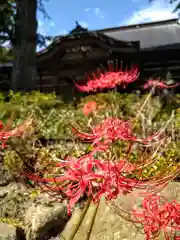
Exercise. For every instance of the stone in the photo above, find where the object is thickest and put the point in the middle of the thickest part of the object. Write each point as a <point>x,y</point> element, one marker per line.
<point>7,232</point>
<point>44,220</point>
<point>14,199</point>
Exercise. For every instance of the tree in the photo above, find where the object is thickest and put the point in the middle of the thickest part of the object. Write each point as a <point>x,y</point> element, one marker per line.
<point>7,22</point>
<point>24,67</point>
<point>18,24</point>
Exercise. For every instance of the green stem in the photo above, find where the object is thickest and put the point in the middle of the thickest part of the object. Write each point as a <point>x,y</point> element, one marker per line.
<point>92,222</point>
<point>74,223</point>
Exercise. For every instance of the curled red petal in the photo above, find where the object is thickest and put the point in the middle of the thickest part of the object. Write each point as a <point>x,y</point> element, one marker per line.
<point>83,135</point>
<point>81,88</point>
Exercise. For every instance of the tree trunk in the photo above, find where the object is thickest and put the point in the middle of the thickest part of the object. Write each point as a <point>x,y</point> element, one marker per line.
<point>24,67</point>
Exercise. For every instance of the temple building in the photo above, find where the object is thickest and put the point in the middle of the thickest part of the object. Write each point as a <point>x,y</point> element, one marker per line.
<point>154,47</point>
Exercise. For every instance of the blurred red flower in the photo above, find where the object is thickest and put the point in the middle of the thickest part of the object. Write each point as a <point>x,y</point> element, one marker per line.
<point>159,84</point>
<point>89,107</point>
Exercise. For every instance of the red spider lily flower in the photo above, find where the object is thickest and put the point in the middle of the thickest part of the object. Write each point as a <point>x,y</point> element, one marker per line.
<point>95,178</point>
<point>109,80</point>
<point>90,176</point>
<point>156,214</point>
<point>159,84</point>
<point>112,129</point>
<point>89,108</point>
<point>6,134</point>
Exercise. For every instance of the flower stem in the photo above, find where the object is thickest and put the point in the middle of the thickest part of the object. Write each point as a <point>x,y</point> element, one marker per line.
<point>74,223</point>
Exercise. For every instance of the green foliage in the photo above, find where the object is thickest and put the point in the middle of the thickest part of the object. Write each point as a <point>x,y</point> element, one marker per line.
<point>7,20</point>
<point>165,163</point>
<point>28,98</point>
<point>53,119</point>
<point>115,103</point>
<point>47,111</point>
<point>5,55</point>
<point>12,161</point>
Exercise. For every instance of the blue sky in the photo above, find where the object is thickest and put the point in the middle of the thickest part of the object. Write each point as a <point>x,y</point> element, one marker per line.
<point>97,14</point>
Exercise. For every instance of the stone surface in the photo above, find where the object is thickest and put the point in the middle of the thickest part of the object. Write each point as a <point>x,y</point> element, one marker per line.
<point>102,222</point>
<point>109,225</point>
<point>7,232</point>
<point>44,220</point>
<point>14,199</point>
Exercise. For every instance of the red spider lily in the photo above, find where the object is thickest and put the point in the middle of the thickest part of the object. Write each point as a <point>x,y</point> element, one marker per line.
<point>6,134</point>
<point>159,84</point>
<point>92,177</point>
<point>109,80</point>
<point>157,215</point>
<point>95,178</point>
<point>112,129</point>
<point>89,108</point>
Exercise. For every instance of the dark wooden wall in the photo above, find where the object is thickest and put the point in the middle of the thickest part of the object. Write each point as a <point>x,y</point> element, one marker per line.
<point>57,72</point>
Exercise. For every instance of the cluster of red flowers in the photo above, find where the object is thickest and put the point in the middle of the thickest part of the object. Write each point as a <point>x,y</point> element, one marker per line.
<point>109,80</point>
<point>93,177</point>
<point>90,176</point>
<point>112,129</point>
<point>157,214</point>
<point>153,215</point>
<point>96,178</point>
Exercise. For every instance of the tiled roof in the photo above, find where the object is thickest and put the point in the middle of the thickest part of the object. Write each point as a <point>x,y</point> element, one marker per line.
<point>151,35</point>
